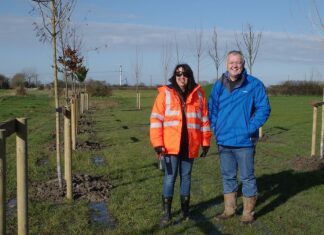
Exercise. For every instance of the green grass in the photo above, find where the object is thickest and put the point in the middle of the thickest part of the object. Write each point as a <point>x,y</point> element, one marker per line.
<point>289,202</point>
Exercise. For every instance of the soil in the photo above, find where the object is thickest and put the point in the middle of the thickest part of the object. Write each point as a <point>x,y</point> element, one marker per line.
<point>85,187</point>
<point>307,163</point>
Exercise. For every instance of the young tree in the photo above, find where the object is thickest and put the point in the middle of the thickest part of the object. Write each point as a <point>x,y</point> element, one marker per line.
<point>67,37</point>
<point>177,50</point>
<point>250,45</point>
<point>53,12</point>
<point>214,52</point>
<point>137,70</point>
<point>199,50</point>
<point>166,59</point>
<point>73,66</point>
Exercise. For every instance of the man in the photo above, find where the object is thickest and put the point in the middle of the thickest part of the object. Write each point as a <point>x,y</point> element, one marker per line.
<point>238,107</point>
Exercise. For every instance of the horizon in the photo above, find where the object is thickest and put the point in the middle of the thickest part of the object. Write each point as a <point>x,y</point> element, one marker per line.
<point>123,32</point>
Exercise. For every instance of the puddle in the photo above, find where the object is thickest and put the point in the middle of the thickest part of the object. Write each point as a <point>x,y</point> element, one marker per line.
<point>11,207</point>
<point>98,161</point>
<point>101,216</point>
<point>42,162</point>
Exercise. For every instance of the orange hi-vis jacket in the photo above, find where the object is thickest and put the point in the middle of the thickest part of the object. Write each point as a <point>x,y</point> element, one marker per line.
<point>166,121</point>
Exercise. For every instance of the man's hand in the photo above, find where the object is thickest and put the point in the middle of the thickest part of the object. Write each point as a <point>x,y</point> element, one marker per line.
<point>160,151</point>
<point>204,151</point>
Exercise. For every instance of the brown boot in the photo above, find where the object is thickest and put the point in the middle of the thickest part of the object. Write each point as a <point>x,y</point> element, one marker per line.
<point>229,207</point>
<point>248,210</point>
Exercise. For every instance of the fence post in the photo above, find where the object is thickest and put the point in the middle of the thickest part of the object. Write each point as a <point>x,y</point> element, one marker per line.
<point>67,153</point>
<point>77,112</point>
<point>322,131</point>
<point>73,123</point>
<point>21,142</point>
<point>81,102</point>
<point>314,131</point>
<point>86,101</point>
<point>2,182</point>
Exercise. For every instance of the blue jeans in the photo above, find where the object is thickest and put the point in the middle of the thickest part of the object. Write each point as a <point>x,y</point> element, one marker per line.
<point>172,165</point>
<point>234,159</point>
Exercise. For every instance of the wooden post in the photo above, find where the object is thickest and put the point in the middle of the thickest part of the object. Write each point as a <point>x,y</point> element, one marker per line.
<point>314,131</point>
<point>322,131</point>
<point>67,153</point>
<point>138,100</point>
<point>77,112</point>
<point>81,102</point>
<point>21,146</point>
<point>260,132</point>
<point>2,182</point>
<point>87,101</point>
<point>73,123</point>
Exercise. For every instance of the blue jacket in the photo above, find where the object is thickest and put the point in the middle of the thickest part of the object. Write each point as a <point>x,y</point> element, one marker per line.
<point>235,116</point>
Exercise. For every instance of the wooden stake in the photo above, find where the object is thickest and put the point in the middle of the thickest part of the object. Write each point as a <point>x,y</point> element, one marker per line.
<point>314,131</point>
<point>67,153</point>
<point>2,182</point>
<point>21,145</point>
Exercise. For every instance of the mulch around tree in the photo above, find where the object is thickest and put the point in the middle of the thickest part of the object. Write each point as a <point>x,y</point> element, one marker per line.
<point>85,187</point>
<point>307,163</point>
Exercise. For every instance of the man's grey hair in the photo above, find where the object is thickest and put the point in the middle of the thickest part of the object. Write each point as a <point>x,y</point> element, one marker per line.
<point>235,52</point>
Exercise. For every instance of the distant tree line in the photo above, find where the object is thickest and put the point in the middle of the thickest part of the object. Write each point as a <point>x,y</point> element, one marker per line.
<point>22,79</point>
<point>292,87</point>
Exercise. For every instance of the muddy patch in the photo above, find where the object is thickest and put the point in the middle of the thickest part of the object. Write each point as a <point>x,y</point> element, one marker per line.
<point>83,130</point>
<point>307,163</point>
<point>134,139</point>
<point>85,187</point>
<point>88,145</point>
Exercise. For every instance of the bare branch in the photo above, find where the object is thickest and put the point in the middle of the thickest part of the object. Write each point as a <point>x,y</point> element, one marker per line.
<point>251,43</point>
<point>214,52</point>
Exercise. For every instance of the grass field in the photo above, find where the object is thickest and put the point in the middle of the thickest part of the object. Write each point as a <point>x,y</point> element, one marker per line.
<point>290,199</point>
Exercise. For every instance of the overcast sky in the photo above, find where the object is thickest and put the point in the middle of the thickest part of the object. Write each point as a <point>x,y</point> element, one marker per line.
<point>292,43</point>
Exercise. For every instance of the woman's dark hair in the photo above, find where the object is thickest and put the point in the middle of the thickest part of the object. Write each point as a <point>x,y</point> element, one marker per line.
<point>188,73</point>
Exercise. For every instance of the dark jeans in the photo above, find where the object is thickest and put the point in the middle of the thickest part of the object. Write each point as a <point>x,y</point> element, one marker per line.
<point>172,165</point>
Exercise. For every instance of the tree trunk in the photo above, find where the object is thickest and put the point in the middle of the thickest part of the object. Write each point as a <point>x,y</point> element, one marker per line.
<point>57,113</point>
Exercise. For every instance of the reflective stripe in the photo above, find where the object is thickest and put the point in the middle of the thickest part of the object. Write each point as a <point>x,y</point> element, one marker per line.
<point>200,100</point>
<point>193,115</point>
<point>158,116</point>
<point>205,119</point>
<point>205,129</point>
<point>168,111</point>
<point>193,126</point>
<point>156,125</point>
<point>171,123</point>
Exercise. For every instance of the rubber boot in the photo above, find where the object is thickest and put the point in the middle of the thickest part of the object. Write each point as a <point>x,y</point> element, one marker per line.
<point>248,210</point>
<point>185,200</point>
<point>229,207</point>
<point>166,217</point>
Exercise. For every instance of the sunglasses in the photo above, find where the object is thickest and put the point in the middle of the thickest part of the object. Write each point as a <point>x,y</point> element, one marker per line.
<point>179,74</point>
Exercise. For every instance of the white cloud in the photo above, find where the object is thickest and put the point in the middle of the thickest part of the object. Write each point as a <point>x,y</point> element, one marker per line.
<point>17,37</point>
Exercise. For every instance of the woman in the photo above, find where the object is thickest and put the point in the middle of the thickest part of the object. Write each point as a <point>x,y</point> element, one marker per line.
<point>179,126</point>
